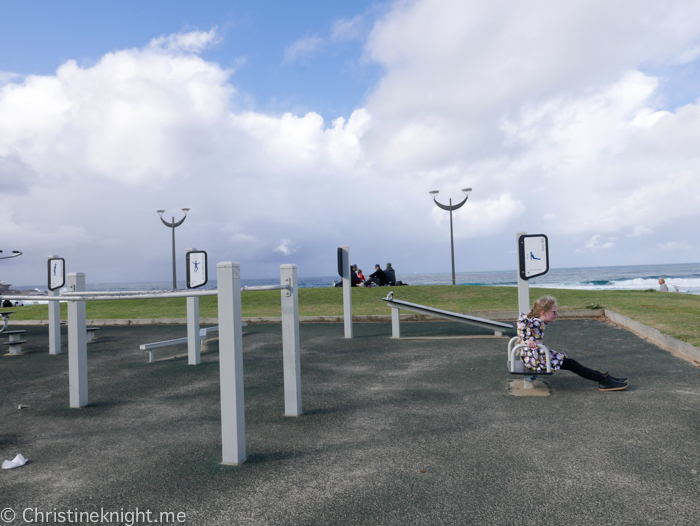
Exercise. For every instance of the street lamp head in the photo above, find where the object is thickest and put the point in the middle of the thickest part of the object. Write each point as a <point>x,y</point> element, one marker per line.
<point>434,193</point>
<point>160,212</point>
<point>185,210</point>
<point>466,191</point>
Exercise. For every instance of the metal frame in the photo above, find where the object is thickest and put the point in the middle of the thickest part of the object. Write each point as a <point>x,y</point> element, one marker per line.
<point>516,365</point>
<point>396,305</point>
<point>230,344</point>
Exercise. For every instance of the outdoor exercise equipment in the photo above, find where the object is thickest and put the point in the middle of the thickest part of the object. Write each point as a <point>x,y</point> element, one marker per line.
<point>516,365</point>
<point>396,306</point>
<point>230,344</point>
<point>533,261</point>
<point>203,333</point>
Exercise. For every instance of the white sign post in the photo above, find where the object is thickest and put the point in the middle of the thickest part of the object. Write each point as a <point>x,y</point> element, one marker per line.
<point>344,271</point>
<point>533,261</point>
<point>56,280</point>
<point>196,265</point>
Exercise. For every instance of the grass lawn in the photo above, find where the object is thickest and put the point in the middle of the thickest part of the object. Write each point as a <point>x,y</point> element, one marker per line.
<point>673,314</point>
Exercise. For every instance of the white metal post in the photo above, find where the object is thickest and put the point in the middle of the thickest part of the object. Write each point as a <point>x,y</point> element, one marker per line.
<point>54,322</point>
<point>228,275</point>
<point>290,341</point>
<point>77,344</point>
<point>193,353</point>
<point>347,292</point>
<point>523,285</point>
<point>395,322</point>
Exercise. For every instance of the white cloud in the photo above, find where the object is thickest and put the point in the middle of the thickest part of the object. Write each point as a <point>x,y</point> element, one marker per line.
<point>284,248</point>
<point>672,246</point>
<point>543,108</point>
<point>596,243</point>
<point>639,230</point>
<point>348,29</point>
<point>302,48</point>
<point>190,42</point>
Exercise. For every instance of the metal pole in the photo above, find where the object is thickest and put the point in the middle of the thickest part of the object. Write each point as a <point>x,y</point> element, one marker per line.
<point>77,344</point>
<point>174,274</point>
<point>395,322</point>
<point>450,208</point>
<point>54,322</point>
<point>228,275</point>
<point>523,285</point>
<point>193,351</point>
<point>290,341</point>
<point>452,245</point>
<point>347,292</point>
<point>173,226</point>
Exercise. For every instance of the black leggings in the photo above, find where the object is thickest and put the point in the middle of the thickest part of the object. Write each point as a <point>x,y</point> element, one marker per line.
<point>589,374</point>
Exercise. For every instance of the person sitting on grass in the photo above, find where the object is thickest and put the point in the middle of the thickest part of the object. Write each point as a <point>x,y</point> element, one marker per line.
<point>377,277</point>
<point>390,274</point>
<point>531,330</point>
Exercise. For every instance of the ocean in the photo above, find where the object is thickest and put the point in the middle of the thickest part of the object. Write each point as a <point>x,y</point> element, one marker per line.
<point>684,277</point>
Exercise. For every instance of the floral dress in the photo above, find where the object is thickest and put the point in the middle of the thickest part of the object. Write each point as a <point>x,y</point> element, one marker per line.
<point>532,329</point>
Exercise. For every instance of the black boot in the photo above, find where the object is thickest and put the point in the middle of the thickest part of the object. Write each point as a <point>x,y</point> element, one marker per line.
<point>608,383</point>
<point>618,379</point>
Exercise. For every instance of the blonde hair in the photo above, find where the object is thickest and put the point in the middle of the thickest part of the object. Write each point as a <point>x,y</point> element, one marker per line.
<point>543,304</point>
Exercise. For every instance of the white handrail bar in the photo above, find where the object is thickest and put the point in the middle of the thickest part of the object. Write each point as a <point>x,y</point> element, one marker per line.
<point>114,292</point>
<point>266,287</point>
<point>81,297</point>
<point>132,294</point>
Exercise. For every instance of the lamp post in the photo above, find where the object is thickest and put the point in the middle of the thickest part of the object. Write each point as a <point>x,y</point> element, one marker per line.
<point>172,225</point>
<point>15,252</point>
<point>451,207</point>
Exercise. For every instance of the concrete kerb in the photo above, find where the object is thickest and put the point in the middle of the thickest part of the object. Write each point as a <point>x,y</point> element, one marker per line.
<point>676,347</point>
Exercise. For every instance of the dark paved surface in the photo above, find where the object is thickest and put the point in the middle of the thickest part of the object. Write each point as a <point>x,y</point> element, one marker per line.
<point>393,432</point>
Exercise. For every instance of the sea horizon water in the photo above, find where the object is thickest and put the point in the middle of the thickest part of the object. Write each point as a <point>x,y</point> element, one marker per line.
<point>684,278</point>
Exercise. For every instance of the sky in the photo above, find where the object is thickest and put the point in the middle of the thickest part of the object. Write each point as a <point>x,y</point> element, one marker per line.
<point>292,128</point>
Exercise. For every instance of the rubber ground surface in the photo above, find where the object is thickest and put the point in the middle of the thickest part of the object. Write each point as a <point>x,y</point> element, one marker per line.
<point>415,431</point>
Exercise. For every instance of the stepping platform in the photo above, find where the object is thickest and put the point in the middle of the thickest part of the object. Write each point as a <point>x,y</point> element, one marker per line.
<point>91,333</point>
<point>15,342</point>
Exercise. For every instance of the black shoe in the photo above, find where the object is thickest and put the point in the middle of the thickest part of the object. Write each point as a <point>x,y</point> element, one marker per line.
<point>608,383</point>
<point>624,380</point>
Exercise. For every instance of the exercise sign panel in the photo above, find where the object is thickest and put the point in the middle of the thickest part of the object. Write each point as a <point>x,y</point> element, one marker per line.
<point>534,255</point>
<point>57,273</point>
<point>196,269</point>
<point>340,261</point>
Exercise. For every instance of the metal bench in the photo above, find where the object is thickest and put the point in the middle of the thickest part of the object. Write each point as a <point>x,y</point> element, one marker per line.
<point>15,342</point>
<point>166,343</point>
<point>91,333</point>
